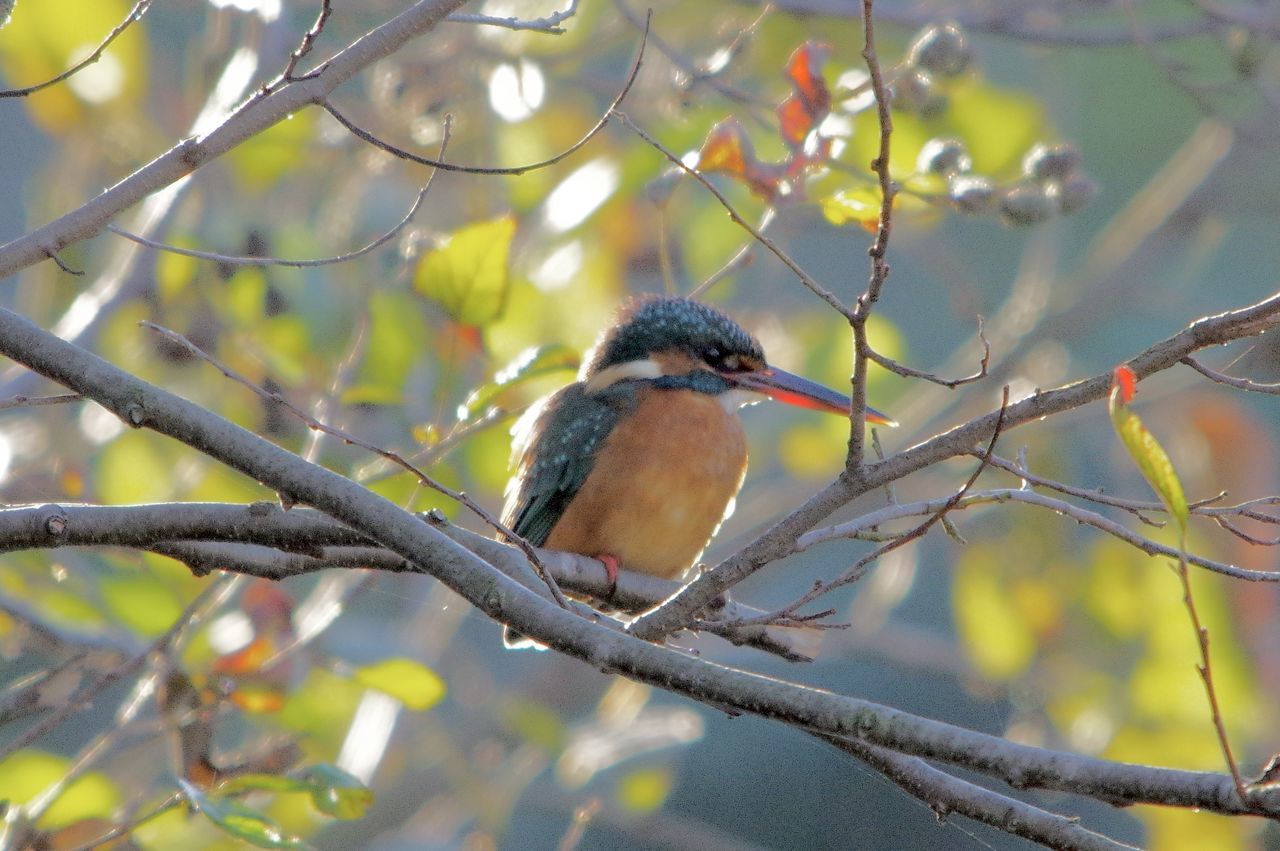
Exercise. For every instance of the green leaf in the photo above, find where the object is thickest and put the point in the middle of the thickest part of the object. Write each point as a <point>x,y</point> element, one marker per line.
<point>1147,452</point>
<point>397,335</point>
<point>337,793</point>
<point>242,783</point>
<point>530,363</point>
<point>332,790</point>
<point>469,277</point>
<point>412,683</point>
<point>141,602</point>
<point>235,819</point>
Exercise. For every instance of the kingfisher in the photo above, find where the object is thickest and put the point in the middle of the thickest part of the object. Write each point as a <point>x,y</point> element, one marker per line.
<point>638,462</point>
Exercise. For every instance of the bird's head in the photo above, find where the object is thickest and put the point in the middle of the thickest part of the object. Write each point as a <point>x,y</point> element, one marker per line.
<point>680,342</point>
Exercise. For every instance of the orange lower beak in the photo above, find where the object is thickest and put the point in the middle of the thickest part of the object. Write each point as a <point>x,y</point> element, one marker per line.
<point>783,386</point>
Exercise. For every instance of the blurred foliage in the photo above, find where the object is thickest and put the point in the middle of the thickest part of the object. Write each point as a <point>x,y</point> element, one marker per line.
<point>282,711</point>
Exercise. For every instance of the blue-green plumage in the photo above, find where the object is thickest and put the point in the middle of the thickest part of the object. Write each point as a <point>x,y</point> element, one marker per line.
<point>568,432</point>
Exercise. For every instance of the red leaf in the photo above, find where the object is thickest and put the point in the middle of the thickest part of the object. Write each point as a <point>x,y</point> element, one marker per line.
<point>1125,383</point>
<point>804,69</point>
<point>804,110</point>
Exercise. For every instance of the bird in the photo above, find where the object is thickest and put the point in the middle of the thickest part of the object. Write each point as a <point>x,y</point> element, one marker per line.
<point>638,462</point>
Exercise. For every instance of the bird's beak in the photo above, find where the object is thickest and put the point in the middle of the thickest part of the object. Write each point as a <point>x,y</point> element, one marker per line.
<point>783,386</point>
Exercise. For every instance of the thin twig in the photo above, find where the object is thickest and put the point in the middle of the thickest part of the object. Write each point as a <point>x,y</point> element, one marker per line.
<point>880,165</point>
<point>817,288</point>
<point>312,423</point>
<point>368,137</point>
<point>1135,507</point>
<point>1205,669</point>
<point>62,264</point>
<point>112,675</point>
<point>548,24</point>
<point>1231,381</point>
<point>243,260</point>
<point>908,372</point>
<point>139,9</point>
<point>1245,536</point>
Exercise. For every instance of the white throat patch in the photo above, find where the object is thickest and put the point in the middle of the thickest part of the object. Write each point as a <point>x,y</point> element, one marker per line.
<point>610,376</point>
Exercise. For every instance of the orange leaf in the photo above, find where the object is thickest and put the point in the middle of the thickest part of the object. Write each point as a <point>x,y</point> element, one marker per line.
<point>727,148</point>
<point>804,69</point>
<point>247,659</point>
<point>795,120</point>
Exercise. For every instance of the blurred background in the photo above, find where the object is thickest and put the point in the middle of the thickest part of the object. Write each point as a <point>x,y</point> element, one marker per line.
<point>1036,628</point>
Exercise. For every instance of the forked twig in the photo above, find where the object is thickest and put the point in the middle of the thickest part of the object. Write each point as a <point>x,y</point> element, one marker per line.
<point>308,42</point>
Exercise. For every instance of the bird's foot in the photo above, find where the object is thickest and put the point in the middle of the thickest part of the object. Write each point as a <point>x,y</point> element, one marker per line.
<point>610,571</point>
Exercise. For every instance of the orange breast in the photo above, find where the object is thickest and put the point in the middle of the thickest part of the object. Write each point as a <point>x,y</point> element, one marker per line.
<point>662,483</point>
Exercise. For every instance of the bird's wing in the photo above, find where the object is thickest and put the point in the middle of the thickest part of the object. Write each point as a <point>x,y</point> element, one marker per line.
<point>555,447</point>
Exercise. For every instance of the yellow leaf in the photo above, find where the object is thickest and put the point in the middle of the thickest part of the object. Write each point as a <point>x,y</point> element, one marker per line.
<point>997,125</point>
<point>645,790</point>
<point>1148,454</point>
<point>140,602</point>
<point>860,206</point>
<point>412,683</point>
<point>134,468</point>
<point>260,162</point>
<point>994,629</point>
<point>27,773</point>
<point>469,277</point>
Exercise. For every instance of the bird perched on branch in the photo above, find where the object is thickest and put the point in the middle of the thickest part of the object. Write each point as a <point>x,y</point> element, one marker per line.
<point>638,462</point>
